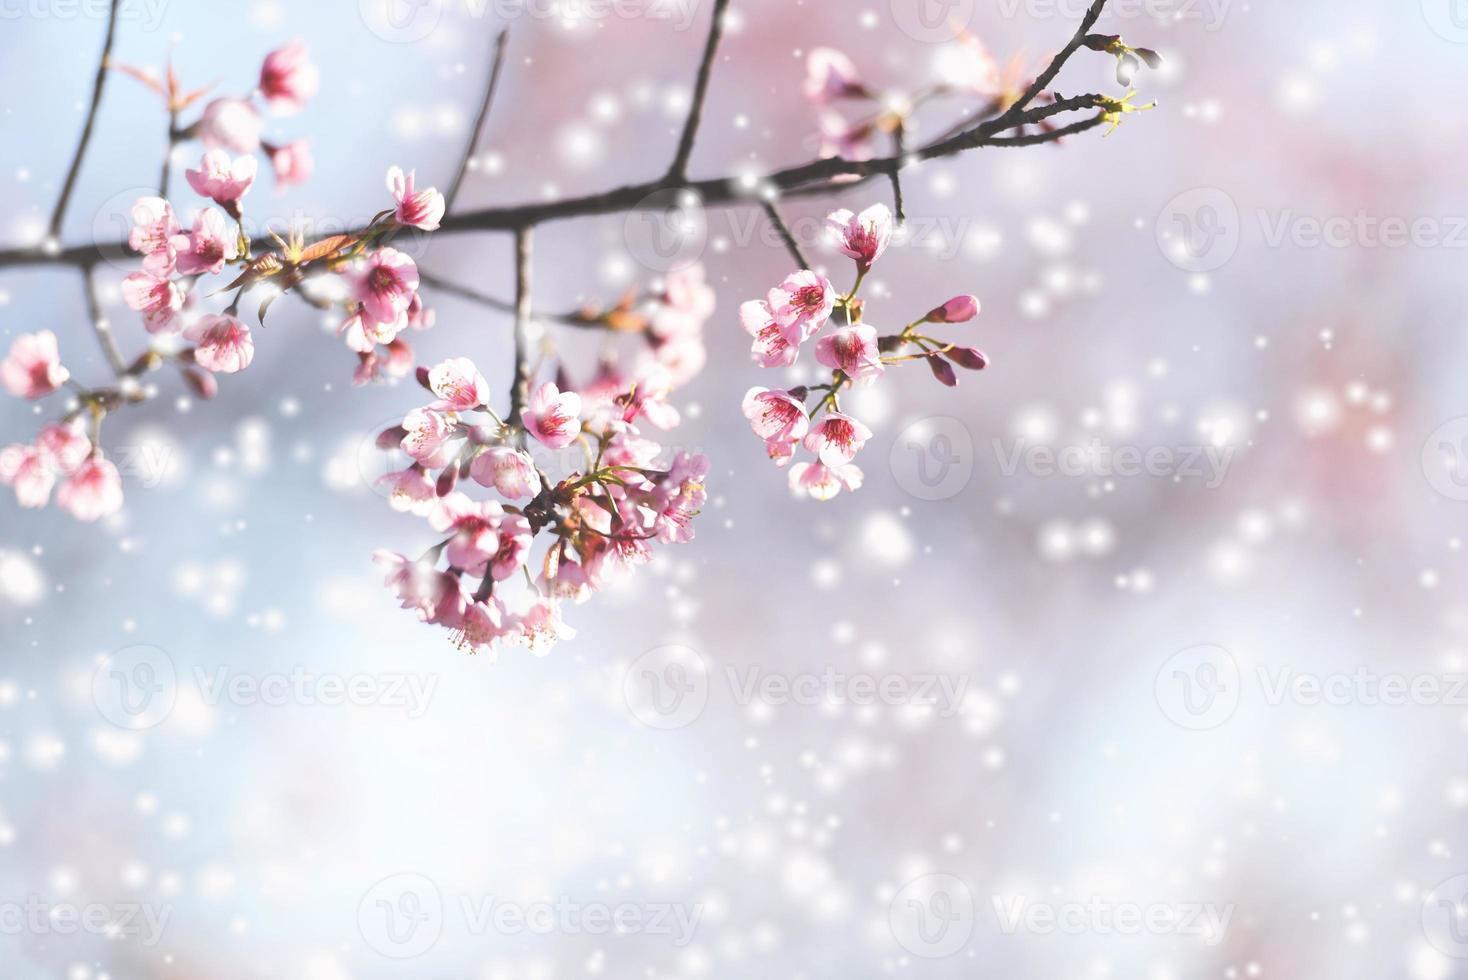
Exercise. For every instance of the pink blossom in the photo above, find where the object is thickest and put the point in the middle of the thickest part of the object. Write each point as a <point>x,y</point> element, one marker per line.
<point>33,367</point>
<point>153,234</point>
<point>836,439</point>
<point>224,343</point>
<point>509,471</point>
<point>864,236</point>
<point>399,358</point>
<point>959,309</point>
<point>852,350</point>
<point>570,581</point>
<point>770,348</point>
<point>778,418</point>
<point>63,447</point>
<point>849,141</point>
<point>223,180</point>
<point>434,595</point>
<point>28,469</point>
<point>967,64</point>
<point>363,333</point>
<point>427,432</point>
<point>802,304</point>
<point>409,490</point>
<point>475,528</point>
<point>93,491</point>
<point>458,385</point>
<point>683,357</point>
<point>416,209</point>
<point>207,246</point>
<point>551,416</point>
<point>420,316</point>
<point>292,163</point>
<point>823,482</point>
<point>386,284</point>
<point>288,79</point>
<point>515,539</point>
<point>680,495</point>
<point>540,625</point>
<point>830,75</point>
<point>485,625</point>
<point>159,300</point>
<point>687,302</point>
<point>231,124</point>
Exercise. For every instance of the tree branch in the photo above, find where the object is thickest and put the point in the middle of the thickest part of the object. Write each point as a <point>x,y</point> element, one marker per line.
<point>54,229</point>
<point>899,139</point>
<point>785,235</point>
<point>102,327</point>
<point>489,89</point>
<point>679,169</point>
<point>520,387</point>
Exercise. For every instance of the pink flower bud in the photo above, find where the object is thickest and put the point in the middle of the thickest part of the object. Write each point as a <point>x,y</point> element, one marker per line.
<point>959,309</point>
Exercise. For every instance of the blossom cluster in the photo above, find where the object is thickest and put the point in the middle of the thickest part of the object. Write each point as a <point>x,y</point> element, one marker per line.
<point>800,309</point>
<point>617,492</point>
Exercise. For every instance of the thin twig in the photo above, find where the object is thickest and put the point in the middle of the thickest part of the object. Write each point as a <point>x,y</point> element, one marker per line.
<point>168,154</point>
<point>789,239</point>
<point>520,387</point>
<point>679,169</point>
<point>54,230</point>
<point>899,151</point>
<point>494,302</point>
<point>489,89</point>
<point>102,327</point>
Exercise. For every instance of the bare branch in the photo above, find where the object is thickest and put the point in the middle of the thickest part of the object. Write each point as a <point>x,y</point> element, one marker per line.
<point>899,139</point>
<point>57,215</point>
<point>520,387</point>
<point>785,235</point>
<point>494,302</point>
<point>679,169</point>
<point>489,89</point>
<point>102,327</point>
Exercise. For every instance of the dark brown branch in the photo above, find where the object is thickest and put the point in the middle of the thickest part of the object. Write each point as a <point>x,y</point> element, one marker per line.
<point>520,387</point>
<point>57,215</point>
<point>899,151</point>
<point>785,235</point>
<point>679,169</point>
<point>495,303</point>
<point>489,89</point>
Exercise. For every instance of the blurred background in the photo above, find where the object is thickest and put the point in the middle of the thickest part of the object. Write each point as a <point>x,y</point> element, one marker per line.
<point>1163,612</point>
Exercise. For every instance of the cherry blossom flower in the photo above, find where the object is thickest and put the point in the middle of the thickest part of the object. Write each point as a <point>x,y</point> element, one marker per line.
<point>426,434</point>
<point>28,469</point>
<point>830,75</point>
<point>288,79</point>
<point>154,234</point>
<point>770,348</point>
<point>207,246</point>
<point>458,385</point>
<point>778,418</point>
<point>836,439</point>
<point>959,309</point>
<point>434,595</point>
<point>852,350</point>
<point>540,625</point>
<point>863,237</point>
<point>821,482</point>
<point>385,285</point>
<point>551,416</point>
<point>224,343</point>
<point>409,490</point>
<point>63,446</point>
<point>33,367</point>
<point>223,180</point>
<point>849,141</point>
<point>507,470</point>
<point>683,357</point>
<point>230,124</point>
<point>679,496</point>
<point>159,300</point>
<point>416,209</point>
<point>687,302</point>
<point>363,332</point>
<point>485,625</point>
<point>293,163</point>
<point>93,491</point>
<point>802,304</point>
